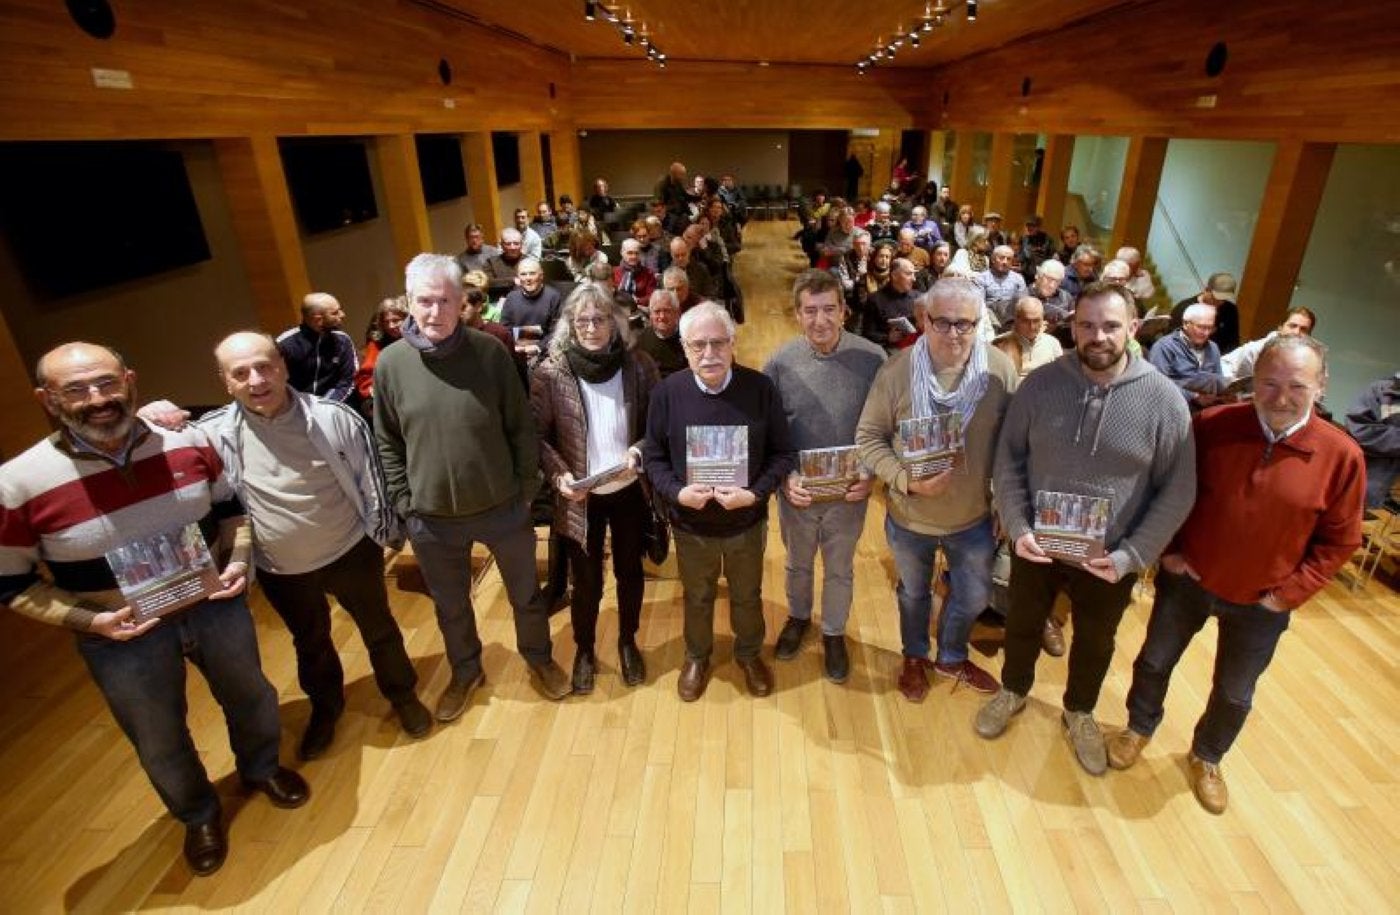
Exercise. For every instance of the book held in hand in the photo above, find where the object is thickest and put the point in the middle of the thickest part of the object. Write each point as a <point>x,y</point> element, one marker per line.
<point>717,455</point>
<point>601,478</point>
<point>1071,527</point>
<point>929,445</point>
<point>164,572</point>
<point>826,473</point>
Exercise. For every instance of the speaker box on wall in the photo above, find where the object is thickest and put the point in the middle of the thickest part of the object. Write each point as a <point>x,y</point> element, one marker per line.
<point>94,17</point>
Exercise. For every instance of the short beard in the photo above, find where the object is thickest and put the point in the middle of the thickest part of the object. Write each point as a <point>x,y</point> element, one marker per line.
<point>77,423</point>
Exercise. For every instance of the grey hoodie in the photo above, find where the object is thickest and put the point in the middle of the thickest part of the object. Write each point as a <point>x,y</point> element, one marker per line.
<point>1129,441</point>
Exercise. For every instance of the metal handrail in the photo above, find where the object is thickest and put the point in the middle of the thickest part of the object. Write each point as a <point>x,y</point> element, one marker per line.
<point>1180,244</point>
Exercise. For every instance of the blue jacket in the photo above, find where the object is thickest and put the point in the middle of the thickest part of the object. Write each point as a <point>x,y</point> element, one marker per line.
<point>1174,357</point>
<point>319,363</point>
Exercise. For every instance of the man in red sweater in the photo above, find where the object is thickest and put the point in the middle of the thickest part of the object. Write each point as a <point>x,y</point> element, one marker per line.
<point>1278,511</point>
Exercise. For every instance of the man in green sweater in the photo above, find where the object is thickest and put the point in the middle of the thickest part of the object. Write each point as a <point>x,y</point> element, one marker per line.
<point>461,463</point>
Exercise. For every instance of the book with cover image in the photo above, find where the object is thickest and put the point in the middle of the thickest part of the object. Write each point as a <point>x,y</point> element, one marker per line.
<point>929,445</point>
<point>601,478</point>
<point>1069,526</point>
<point>717,455</point>
<point>164,572</point>
<point>826,473</point>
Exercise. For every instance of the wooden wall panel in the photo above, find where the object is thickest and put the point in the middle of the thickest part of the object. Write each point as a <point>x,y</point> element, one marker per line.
<point>1296,70</point>
<point>238,67</point>
<point>403,195</point>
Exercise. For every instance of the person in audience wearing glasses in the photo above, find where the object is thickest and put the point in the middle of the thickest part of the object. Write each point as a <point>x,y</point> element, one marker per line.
<point>1026,344</point>
<point>661,337</point>
<point>955,389</point>
<point>1278,512</point>
<point>1239,362</point>
<point>108,482</point>
<point>1103,432</point>
<point>823,377</point>
<point>717,447</point>
<point>1190,358</point>
<point>1047,288</point>
<point>461,464</point>
<point>590,397</point>
<point>477,252</point>
<point>1219,292</point>
<point>1139,280</point>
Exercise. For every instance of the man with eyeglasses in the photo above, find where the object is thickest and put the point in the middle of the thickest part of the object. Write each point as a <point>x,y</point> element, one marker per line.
<point>107,480</point>
<point>949,371</point>
<point>718,525</point>
<point>1191,359</point>
<point>1097,423</point>
<point>823,376</point>
<point>1026,344</point>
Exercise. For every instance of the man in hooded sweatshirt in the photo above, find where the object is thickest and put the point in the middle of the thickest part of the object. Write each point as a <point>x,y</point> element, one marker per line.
<point>461,463</point>
<point>1102,423</point>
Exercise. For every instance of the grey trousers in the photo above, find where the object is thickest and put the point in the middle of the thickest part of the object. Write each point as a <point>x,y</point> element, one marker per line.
<point>700,560</point>
<point>443,547</point>
<point>834,528</point>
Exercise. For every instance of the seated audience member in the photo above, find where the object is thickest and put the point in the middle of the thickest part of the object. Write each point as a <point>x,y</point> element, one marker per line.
<point>1057,302</point>
<point>566,216</point>
<point>992,223</point>
<point>1119,273</point>
<point>599,201</point>
<point>531,242</point>
<point>733,198</point>
<point>631,277</point>
<point>661,337</point>
<point>877,274</point>
<point>1002,286</point>
<point>649,252</point>
<point>500,270</point>
<point>583,252</point>
<point>531,308</point>
<point>1083,269</point>
<point>673,198</point>
<point>906,246</point>
<point>838,240</point>
<point>963,226</point>
<point>698,277</point>
<point>709,252</point>
<point>545,225</point>
<point>718,526</point>
<point>473,316</point>
<point>477,252</point>
<point>865,212</point>
<point>1035,248</point>
<point>925,230</point>
<point>590,397</point>
<point>1191,359</point>
<point>1069,243</point>
<point>851,270</point>
<point>882,227</point>
<point>891,317</point>
<point>1139,280</point>
<point>320,356</point>
<point>585,221</point>
<point>1027,344</point>
<point>1239,362</point>
<point>1374,421</point>
<point>384,330</point>
<point>938,260</point>
<point>823,376</point>
<point>945,210</point>
<point>1277,513</point>
<point>675,281</point>
<point>723,226</point>
<point>1219,293</point>
<point>975,256</point>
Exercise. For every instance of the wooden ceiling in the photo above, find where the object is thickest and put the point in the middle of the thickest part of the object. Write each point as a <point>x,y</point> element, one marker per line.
<point>778,31</point>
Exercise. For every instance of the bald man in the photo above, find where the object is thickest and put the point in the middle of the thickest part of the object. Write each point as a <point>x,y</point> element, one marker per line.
<point>1191,359</point>
<point>308,473</point>
<point>107,481</point>
<point>320,356</point>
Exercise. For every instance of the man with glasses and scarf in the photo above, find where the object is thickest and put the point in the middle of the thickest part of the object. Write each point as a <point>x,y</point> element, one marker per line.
<point>949,371</point>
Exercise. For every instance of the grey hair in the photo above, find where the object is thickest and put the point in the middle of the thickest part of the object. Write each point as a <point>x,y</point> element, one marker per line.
<point>630,244</point>
<point>663,295</point>
<point>1198,311</point>
<point>428,267</point>
<point>585,294</point>
<point>1051,267</point>
<point>1282,343</point>
<point>859,234</point>
<point>708,309</point>
<point>1089,251</point>
<point>675,273</point>
<point>512,235</point>
<point>528,262</point>
<point>955,288</point>
<point>1007,248</point>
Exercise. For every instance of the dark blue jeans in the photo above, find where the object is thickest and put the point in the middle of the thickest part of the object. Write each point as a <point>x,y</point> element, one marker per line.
<point>143,681</point>
<point>969,555</point>
<point>1249,633</point>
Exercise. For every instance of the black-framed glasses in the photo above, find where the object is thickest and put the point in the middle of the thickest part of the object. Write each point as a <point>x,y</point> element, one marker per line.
<point>720,344</point>
<point>945,327</point>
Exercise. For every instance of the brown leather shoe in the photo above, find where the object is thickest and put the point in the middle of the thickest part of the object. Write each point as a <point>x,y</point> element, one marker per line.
<point>1208,784</point>
<point>913,682</point>
<point>1124,747</point>
<point>694,675</point>
<point>550,680</point>
<point>206,847</point>
<point>757,677</point>
<point>1052,637</point>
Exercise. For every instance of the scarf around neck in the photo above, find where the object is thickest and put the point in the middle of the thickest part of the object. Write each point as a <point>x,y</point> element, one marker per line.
<point>413,336</point>
<point>595,366</point>
<point>925,393</point>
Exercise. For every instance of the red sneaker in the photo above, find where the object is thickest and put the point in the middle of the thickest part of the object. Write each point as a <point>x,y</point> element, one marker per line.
<point>965,672</point>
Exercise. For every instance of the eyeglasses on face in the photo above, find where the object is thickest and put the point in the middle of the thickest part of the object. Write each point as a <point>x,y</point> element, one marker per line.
<point>719,344</point>
<point>583,323</point>
<point>80,391</point>
<point>944,326</point>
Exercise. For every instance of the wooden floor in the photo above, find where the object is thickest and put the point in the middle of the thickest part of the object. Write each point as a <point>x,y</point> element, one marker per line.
<point>818,798</point>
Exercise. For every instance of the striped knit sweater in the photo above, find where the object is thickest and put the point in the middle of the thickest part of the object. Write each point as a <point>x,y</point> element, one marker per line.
<point>68,507</point>
<point>1129,441</point>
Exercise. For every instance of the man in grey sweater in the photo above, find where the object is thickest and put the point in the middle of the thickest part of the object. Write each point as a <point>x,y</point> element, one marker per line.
<point>823,377</point>
<point>461,463</point>
<point>1100,423</point>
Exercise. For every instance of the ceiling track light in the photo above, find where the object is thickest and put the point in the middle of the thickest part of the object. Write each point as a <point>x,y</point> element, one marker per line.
<point>914,39</point>
<point>590,10</point>
<point>936,15</point>
<point>971,10</point>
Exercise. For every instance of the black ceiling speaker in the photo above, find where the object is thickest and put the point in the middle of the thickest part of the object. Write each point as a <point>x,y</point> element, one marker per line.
<point>445,72</point>
<point>94,17</point>
<point>1216,59</point>
<point>1025,87</point>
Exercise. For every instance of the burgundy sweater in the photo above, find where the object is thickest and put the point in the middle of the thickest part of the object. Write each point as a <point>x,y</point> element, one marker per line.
<point>1280,518</point>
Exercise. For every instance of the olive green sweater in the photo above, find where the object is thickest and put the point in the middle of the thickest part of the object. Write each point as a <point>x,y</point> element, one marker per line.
<point>453,425</point>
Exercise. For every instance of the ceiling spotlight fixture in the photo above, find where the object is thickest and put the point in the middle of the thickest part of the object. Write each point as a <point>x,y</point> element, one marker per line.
<point>971,10</point>
<point>590,10</point>
<point>936,15</point>
<point>914,39</point>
